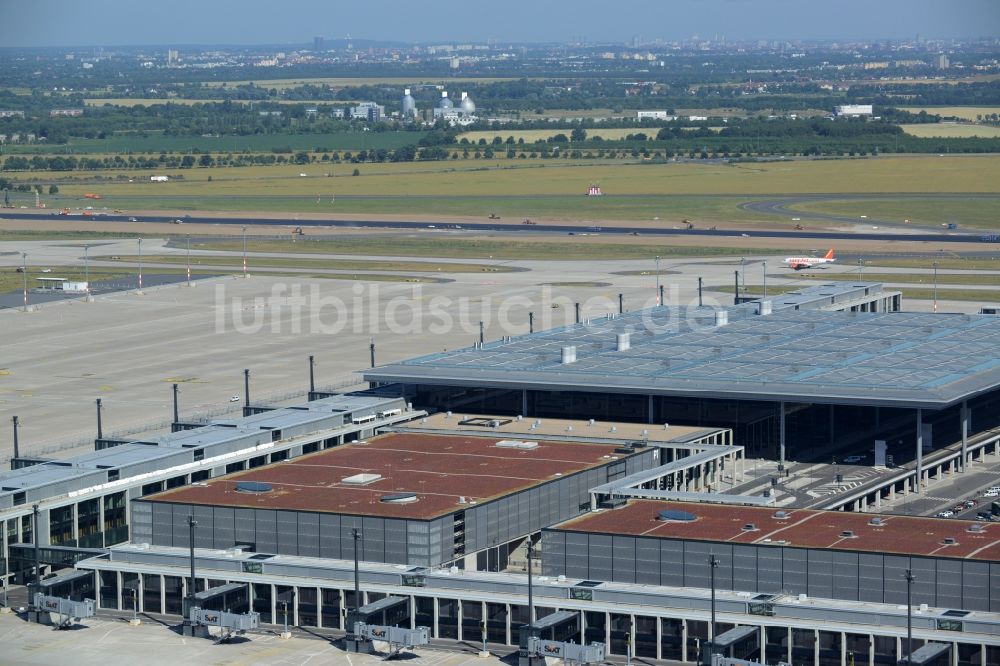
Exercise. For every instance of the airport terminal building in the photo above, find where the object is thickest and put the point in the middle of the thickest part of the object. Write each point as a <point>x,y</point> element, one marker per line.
<point>615,450</point>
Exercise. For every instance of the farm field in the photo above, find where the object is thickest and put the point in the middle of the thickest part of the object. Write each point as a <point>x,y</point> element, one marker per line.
<point>149,101</point>
<point>531,136</point>
<point>964,112</point>
<point>951,131</point>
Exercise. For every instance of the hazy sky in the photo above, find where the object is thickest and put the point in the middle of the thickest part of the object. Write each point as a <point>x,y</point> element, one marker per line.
<point>117,22</point>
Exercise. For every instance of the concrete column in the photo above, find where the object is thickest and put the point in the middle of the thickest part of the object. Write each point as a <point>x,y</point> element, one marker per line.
<point>461,606</point>
<point>965,434</point>
<point>649,417</point>
<point>659,638</point>
<point>684,640</point>
<point>274,605</point>
<point>920,450</point>
<point>781,459</point>
<point>437,613</point>
<point>524,402</point>
<point>843,648</point>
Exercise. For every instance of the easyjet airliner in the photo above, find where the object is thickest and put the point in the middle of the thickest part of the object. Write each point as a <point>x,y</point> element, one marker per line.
<point>798,263</point>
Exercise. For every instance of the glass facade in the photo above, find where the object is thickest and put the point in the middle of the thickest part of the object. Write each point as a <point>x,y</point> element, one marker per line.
<point>645,636</point>
<point>308,607</point>
<point>671,638</point>
<point>496,623</point>
<point>109,589</point>
<point>330,600</point>
<point>829,648</point>
<point>151,594</point>
<point>262,602</point>
<point>115,527</point>
<point>448,618</point>
<point>61,526</point>
<point>88,524</point>
<point>173,595</point>
<point>884,650</point>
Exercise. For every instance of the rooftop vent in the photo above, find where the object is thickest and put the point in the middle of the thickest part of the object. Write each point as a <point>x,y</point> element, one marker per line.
<point>847,534</point>
<point>976,528</point>
<point>950,541</point>
<point>361,479</point>
<point>399,498</point>
<point>749,527</point>
<point>568,355</point>
<point>780,515</point>
<point>721,318</point>
<point>623,342</point>
<point>516,444</point>
<point>764,307</point>
<point>253,487</point>
<point>670,515</point>
<point>876,522</point>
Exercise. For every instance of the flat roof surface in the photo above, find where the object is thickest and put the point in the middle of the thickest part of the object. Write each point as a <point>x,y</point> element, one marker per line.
<point>556,428</point>
<point>901,359</point>
<point>803,528</point>
<point>438,468</point>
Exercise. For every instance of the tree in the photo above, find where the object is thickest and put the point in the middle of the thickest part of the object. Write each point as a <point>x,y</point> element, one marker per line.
<point>357,172</point>
<point>206,160</point>
<point>302,157</point>
<point>187,162</point>
<point>578,134</point>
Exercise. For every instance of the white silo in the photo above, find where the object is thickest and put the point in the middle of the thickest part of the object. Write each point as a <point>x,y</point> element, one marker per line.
<point>408,105</point>
<point>445,103</point>
<point>467,105</point>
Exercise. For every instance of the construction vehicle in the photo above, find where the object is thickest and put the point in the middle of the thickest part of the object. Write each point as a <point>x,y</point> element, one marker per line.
<point>92,196</point>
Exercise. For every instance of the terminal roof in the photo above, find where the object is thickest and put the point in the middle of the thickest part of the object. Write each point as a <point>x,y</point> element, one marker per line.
<point>897,359</point>
<point>802,528</point>
<point>440,470</point>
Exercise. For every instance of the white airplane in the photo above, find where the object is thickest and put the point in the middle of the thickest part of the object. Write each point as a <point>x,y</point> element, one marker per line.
<point>799,263</point>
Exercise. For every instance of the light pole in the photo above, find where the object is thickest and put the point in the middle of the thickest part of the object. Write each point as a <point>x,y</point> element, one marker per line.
<point>531,588</point>
<point>935,285</point>
<point>658,281</point>
<point>86,268</point>
<point>713,563</point>
<point>743,275</point>
<point>140,265</point>
<point>764,265</point>
<point>245,253</point>
<point>24,274</point>
<point>909,614</point>
<point>189,259</point>
<point>191,589</point>
<point>861,263</point>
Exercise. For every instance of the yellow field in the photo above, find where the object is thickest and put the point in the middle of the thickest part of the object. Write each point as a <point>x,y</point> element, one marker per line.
<point>951,131</point>
<point>973,173</point>
<point>964,112</point>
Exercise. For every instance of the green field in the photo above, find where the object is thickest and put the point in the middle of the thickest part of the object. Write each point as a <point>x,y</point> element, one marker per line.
<point>946,261</point>
<point>972,212</point>
<point>256,262</point>
<point>12,281</point>
<point>157,143</point>
<point>456,248</point>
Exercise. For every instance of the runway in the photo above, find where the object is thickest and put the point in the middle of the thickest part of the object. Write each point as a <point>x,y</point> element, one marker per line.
<point>518,227</point>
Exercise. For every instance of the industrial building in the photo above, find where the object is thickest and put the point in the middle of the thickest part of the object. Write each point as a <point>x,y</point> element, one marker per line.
<point>463,114</point>
<point>85,502</point>
<point>853,110</point>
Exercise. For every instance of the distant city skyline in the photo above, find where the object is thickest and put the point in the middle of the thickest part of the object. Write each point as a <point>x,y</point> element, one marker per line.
<point>48,23</point>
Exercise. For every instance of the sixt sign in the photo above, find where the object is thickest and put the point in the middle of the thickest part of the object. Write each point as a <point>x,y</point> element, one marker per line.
<point>552,650</point>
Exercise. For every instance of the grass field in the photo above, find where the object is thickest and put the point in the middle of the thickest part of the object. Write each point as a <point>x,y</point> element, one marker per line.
<point>963,112</point>
<point>149,101</point>
<point>11,280</point>
<point>951,131</point>
<point>978,213</point>
<point>257,262</point>
<point>481,178</point>
<point>458,248</point>
<point>157,143</point>
<point>946,262</point>
<point>707,193</point>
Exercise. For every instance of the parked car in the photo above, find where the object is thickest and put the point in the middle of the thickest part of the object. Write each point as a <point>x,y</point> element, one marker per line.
<point>853,460</point>
<point>992,492</point>
<point>946,514</point>
<point>970,503</point>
